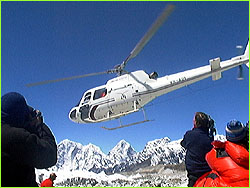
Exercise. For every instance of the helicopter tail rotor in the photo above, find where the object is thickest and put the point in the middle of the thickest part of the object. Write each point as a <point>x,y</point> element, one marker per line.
<point>240,68</point>
<point>240,73</point>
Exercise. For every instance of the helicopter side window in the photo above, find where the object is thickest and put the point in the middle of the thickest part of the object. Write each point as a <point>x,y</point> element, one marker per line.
<point>87,97</point>
<point>100,93</point>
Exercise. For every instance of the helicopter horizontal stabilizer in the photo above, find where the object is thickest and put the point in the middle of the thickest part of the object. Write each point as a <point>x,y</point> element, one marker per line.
<point>122,126</point>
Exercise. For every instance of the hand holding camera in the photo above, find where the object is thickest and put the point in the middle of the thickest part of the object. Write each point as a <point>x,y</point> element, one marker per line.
<point>35,117</point>
<point>35,121</point>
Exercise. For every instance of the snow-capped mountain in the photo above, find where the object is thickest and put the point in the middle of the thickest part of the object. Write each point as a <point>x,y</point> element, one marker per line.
<point>80,165</point>
<point>74,156</point>
<point>122,152</point>
<point>162,151</point>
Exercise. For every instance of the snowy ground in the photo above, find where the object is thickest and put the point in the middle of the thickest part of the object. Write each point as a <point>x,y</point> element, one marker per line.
<point>150,177</point>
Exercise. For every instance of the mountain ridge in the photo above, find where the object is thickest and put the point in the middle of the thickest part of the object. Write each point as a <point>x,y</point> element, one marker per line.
<point>121,158</point>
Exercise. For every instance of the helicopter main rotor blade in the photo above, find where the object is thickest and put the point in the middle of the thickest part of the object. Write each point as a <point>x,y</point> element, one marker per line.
<point>118,69</point>
<point>148,35</point>
<point>67,78</point>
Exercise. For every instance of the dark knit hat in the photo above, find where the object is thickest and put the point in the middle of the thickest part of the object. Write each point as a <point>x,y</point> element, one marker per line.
<point>14,109</point>
<point>235,131</point>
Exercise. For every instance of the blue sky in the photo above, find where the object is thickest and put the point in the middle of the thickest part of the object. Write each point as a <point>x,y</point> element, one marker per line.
<point>49,40</point>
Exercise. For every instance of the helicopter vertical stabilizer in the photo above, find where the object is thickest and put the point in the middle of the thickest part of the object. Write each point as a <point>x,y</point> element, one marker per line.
<point>247,50</point>
<point>246,54</point>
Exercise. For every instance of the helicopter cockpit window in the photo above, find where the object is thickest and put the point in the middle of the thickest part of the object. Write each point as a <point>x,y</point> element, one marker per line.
<point>87,97</point>
<point>100,93</point>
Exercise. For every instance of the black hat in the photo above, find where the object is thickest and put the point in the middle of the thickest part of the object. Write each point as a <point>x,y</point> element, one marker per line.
<point>14,109</point>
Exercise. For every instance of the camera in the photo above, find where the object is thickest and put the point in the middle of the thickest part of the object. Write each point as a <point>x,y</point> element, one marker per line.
<point>211,126</point>
<point>34,113</point>
<point>34,122</point>
<point>35,116</point>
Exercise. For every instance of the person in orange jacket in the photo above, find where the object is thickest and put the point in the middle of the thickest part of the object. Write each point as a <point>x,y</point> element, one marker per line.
<point>228,160</point>
<point>50,181</point>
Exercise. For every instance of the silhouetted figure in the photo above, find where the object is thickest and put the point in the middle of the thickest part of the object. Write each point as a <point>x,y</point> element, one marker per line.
<point>27,142</point>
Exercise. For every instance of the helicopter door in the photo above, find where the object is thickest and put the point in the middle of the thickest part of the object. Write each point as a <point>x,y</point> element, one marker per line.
<point>100,104</point>
<point>120,100</point>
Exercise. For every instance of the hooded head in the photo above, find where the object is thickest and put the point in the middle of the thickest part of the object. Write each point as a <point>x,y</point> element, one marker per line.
<point>14,109</point>
<point>235,131</point>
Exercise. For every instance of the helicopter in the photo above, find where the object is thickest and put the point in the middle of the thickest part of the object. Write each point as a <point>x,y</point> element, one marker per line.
<point>129,92</point>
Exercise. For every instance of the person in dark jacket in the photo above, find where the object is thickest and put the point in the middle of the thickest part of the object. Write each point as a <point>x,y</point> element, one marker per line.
<point>197,142</point>
<point>26,142</point>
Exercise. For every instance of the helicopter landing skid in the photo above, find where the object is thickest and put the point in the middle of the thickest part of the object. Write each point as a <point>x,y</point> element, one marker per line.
<point>122,126</point>
<point>135,123</point>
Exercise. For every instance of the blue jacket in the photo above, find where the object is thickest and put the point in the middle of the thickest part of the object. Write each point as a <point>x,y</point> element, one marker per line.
<point>197,143</point>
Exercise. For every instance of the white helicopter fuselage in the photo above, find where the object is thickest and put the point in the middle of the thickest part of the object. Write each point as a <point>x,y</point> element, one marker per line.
<point>128,93</point>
